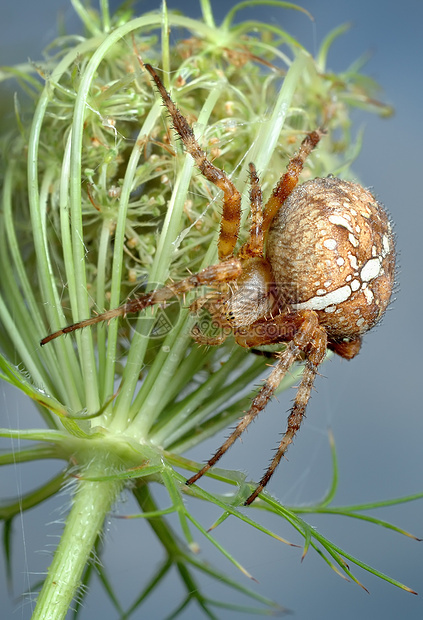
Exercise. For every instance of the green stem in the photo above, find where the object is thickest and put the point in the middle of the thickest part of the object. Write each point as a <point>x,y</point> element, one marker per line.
<point>91,503</point>
<point>207,13</point>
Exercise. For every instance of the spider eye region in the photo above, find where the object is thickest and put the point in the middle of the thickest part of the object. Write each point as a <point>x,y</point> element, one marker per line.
<point>331,247</point>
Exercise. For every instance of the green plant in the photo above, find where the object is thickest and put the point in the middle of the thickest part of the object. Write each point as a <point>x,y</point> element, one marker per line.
<point>95,199</point>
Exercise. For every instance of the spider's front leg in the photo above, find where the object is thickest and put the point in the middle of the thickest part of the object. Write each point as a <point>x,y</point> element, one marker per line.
<point>231,207</point>
<point>289,180</point>
<point>225,271</point>
<point>308,337</point>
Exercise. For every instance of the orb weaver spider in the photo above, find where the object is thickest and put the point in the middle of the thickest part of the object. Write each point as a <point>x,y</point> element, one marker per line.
<point>316,272</point>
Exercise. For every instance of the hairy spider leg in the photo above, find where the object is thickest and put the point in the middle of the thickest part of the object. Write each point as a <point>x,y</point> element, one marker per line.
<point>297,414</point>
<point>253,248</point>
<point>231,208</point>
<point>255,243</point>
<point>223,272</point>
<point>289,180</point>
<point>308,331</point>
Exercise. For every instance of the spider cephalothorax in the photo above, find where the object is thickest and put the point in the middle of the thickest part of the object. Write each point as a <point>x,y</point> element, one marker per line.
<point>316,272</point>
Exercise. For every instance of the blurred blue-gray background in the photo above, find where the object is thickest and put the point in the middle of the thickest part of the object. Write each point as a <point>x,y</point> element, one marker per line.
<point>372,404</point>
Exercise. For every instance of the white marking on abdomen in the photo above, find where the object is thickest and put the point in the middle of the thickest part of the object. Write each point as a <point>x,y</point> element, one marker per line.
<point>354,242</point>
<point>323,301</point>
<point>339,220</point>
<point>386,246</point>
<point>330,244</point>
<point>371,269</point>
<point>368,294</point>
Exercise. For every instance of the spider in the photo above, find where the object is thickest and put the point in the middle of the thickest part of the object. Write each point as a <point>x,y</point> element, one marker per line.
<point>315,273</point>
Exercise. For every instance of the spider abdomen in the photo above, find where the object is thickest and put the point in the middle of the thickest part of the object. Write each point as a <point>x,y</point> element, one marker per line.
<point>332,250</point>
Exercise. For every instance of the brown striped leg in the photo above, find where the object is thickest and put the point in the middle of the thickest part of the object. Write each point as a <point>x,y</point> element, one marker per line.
<point>286,359</point>
<point>314,358</point>
<point>282,328</point>
<point>223,272</point>
<point>255,243</point>
<point>289,180</point>
<point>231,209</point>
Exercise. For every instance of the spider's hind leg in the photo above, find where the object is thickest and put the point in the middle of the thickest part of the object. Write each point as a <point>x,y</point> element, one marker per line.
<point>315,357</point>
<point>308,335</point>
